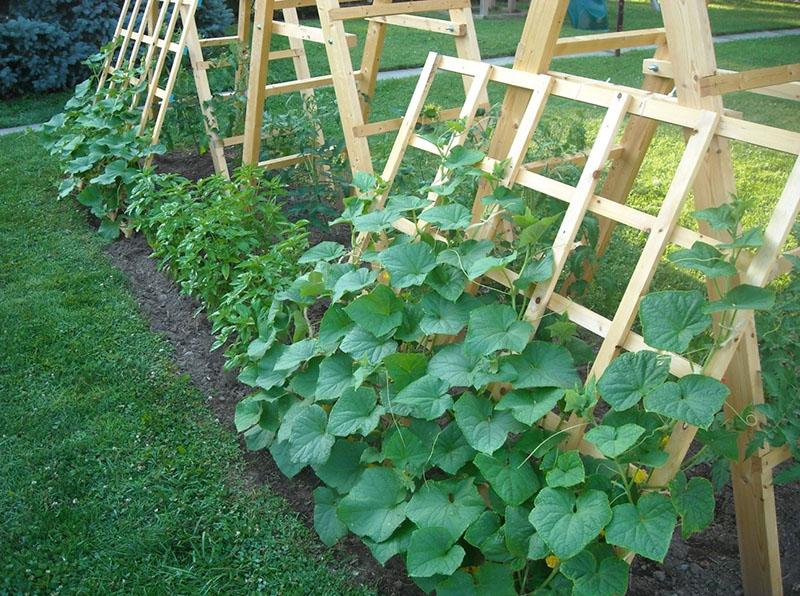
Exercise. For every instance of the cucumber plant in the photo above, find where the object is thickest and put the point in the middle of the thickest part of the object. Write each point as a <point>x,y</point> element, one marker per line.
<point>97,139</point>
<point>418,399</point>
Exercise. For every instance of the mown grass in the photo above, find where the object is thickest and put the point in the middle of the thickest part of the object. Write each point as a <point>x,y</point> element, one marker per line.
<point>497,37</point>
<point>115,478</point>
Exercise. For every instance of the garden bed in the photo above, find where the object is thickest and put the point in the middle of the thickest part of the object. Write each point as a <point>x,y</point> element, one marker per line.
<point>706,564</point>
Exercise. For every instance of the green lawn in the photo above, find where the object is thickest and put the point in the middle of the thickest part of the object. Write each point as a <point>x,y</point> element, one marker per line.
<point>115,478</point>
<point>497,37</point>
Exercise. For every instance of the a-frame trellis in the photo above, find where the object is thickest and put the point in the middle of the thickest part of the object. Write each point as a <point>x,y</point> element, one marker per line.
<point>149,41</point>
<point>705,168</point>
<point>354,88</point>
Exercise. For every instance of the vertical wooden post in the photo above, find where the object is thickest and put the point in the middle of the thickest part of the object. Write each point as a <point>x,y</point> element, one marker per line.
<point>257,83</point>
<point>692,53</point>
<point>371,61</point>
<point>243,37</point>
<point>345,87</point>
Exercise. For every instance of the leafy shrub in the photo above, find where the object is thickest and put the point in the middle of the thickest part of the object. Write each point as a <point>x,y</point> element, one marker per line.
<point>97,139</point>
<point>43,43</point>
<point>420,405</point>
<point>225,242</point>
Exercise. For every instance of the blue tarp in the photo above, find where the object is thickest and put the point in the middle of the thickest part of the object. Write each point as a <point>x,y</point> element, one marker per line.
<point>588,14</point>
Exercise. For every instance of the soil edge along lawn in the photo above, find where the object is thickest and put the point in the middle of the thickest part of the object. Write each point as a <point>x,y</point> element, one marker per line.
<point>114,475</point>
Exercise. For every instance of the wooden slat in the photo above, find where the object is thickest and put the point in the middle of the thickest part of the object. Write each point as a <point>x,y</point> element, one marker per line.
<point>210,42</point>
<point>257,80</point>
<point>729,82</point>
<point>363,12</point>
<point>384,126</point>
<point>576,159</point>
<point>306,33</point>
<point>282,162</point>
<point>298,85</point>
<point>603,42</point>
<point>423,24</point>
<point>663,68</point>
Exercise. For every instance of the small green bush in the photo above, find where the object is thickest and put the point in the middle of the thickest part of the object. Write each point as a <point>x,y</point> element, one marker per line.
<point>225,242</point>
<point>43,43</point>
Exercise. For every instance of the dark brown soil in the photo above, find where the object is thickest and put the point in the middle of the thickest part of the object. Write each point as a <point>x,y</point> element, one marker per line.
<point>704,565</point>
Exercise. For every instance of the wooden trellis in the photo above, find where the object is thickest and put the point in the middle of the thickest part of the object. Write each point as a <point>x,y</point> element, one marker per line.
<point>704,162</point>
<point>354,89</point>
<point>145,41</point>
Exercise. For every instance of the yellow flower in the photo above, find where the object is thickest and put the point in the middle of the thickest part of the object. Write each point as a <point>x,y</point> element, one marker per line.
<point>664,441</point>
<point>384,277</point>
<point>639,476</point>
<point>552,561</point>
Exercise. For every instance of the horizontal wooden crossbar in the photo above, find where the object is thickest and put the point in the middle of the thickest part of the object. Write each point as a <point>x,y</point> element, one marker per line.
<point>384,126</point>
<point>663,68</point>
<point>728,82</point>
<point>150,40</point>
<point>379,10</point>
<point>423,24</point>
<point>306,33</point>
<point>218,41</point>
<point>602,42</point>
<point>282,162</point>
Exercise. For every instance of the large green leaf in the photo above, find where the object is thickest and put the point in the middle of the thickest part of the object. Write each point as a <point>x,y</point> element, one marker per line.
<point>343,467</point>
<point>511,477</point>
<point>704,258</point>
<point>443,317</point>
<point>324,251</point>
<point>362,345</point>
<point>671,319</point>
<point>396,544</point>
<point>614,441</point>
<point>451,450</point>
<point>380,312</point>
<point>353,281</point>
<point>447,281</point>
<point>453,365</point>
<point>744,297</point>
<point>486,534</point>
<point>461,157</point>
<point>694,502</point>
<point>566,523</point>
<point>645,528</point>
<point>433,551</point>
<point>484,429</point>
<point>355,412</point>
<point>326,523</point>
<point>630,377</point>
<point>448,217</point>
<point>495,327</point>
<point>296,354</point>
<point>408,264</point>
<point>446,504</point>
<point>473,258</point>
<point>543,364</point>
<point>309,441</point>
<point>517,531</point>
<point>425,398</point>
<point>529,405</point>
<point>334,326</point>
<point>335,375</point>
<point>536,271</point>
<point>405,368</point>
<point>694,399</point>
<point>407,450</point>
<point>610,578</point>
<point>567,471</point>
<point>494,579</point>
<point>376,505</point>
